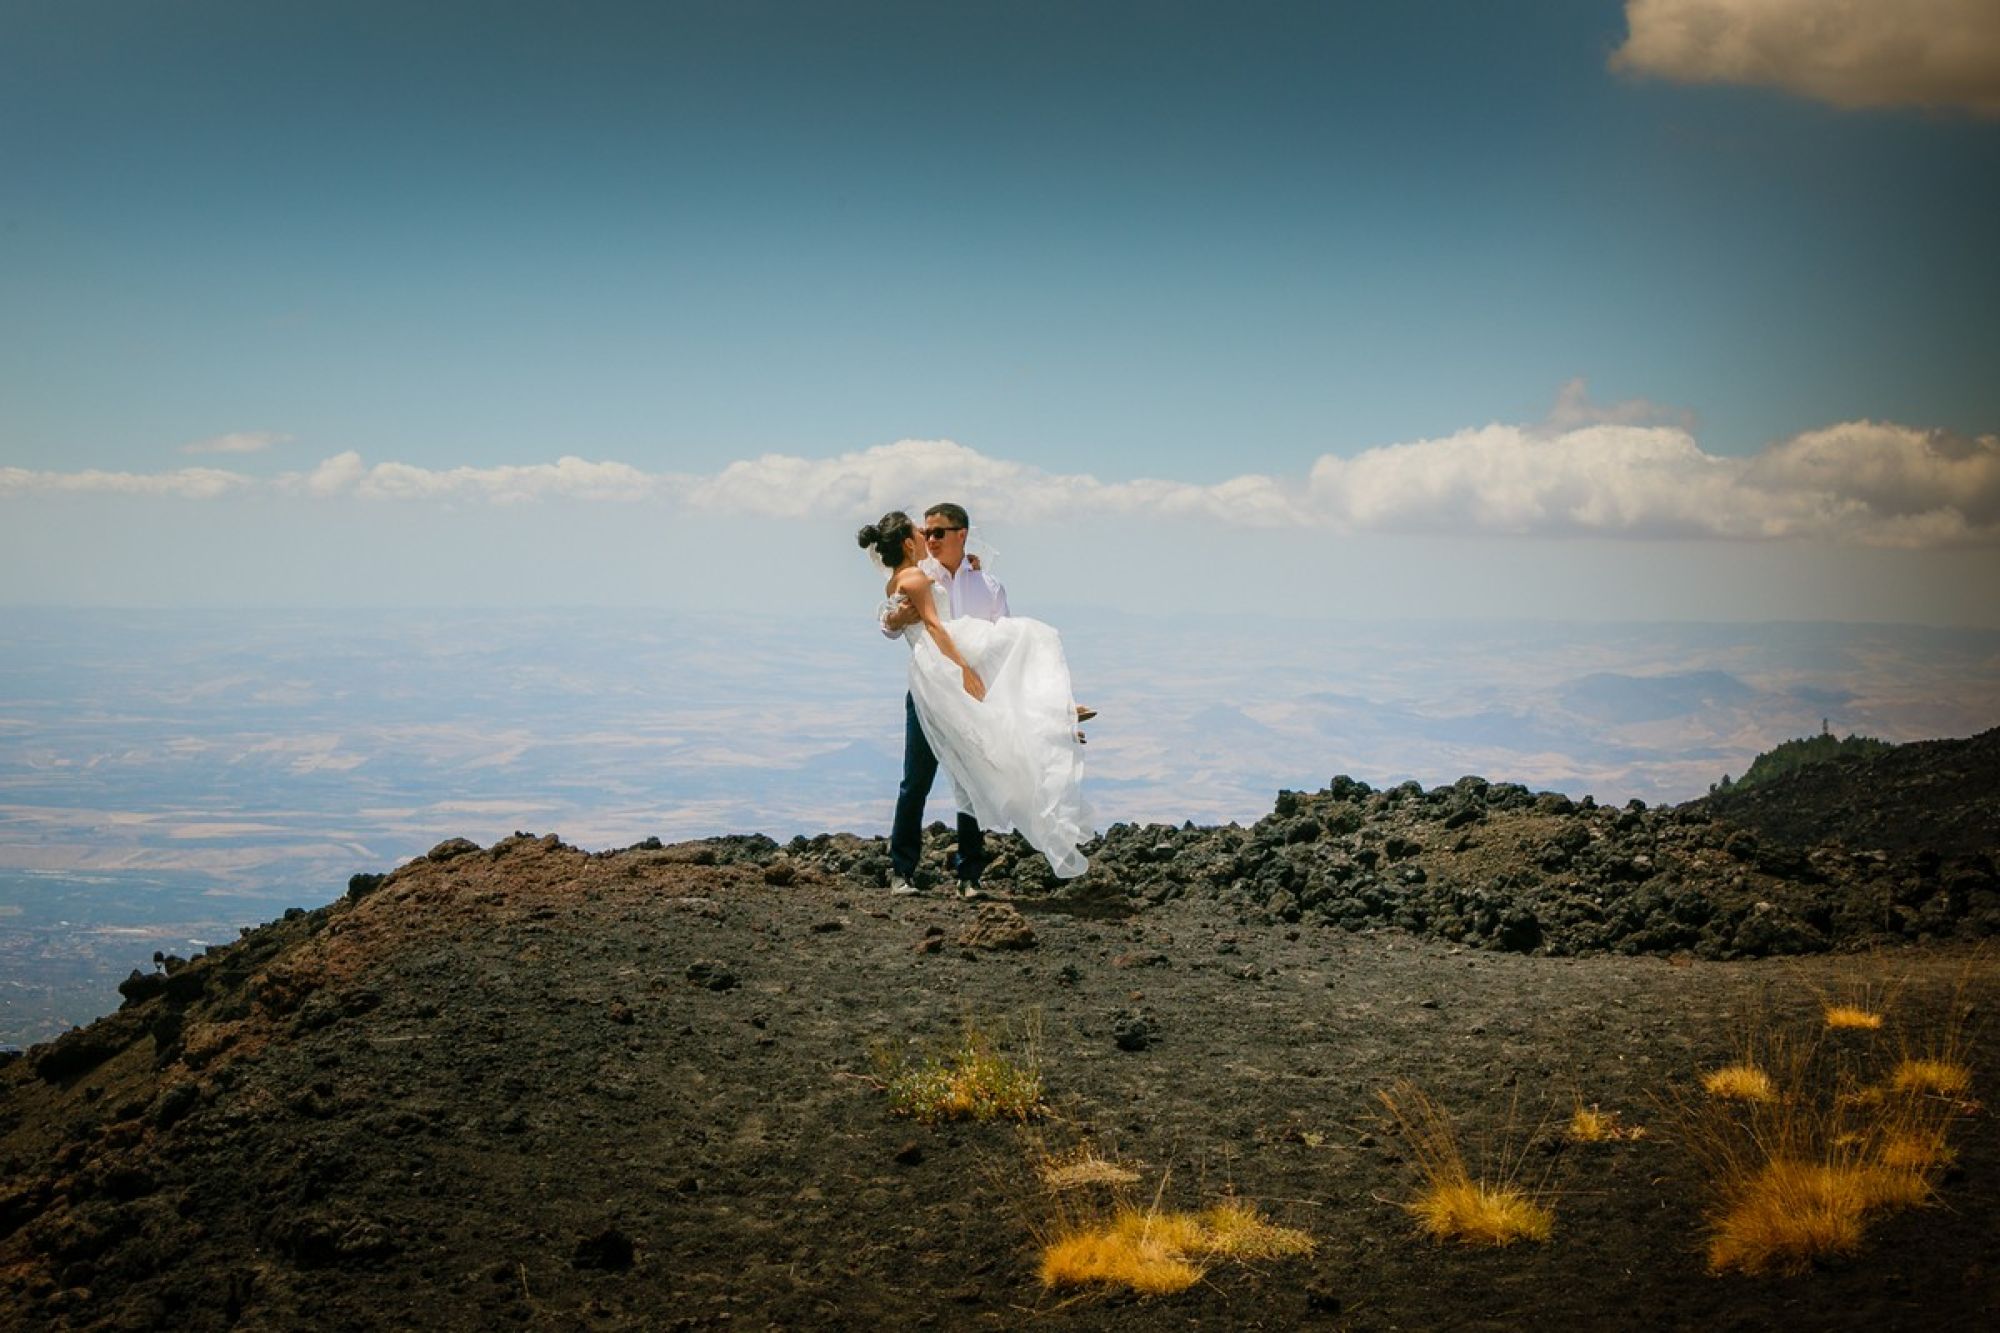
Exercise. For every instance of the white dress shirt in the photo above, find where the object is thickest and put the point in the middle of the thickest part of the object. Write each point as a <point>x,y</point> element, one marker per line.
<point>974,592</point>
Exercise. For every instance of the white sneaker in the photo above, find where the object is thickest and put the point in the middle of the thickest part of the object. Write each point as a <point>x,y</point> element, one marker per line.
<point>900,887</point>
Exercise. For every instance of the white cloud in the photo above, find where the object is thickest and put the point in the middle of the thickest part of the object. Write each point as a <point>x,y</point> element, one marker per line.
<point>1917,487</point>
<point>1574,407</point>
<point>1645,481</point>
<point>566,478</point>
<point>1851,53</point>
<point>334,475</point>
<point>1860,483</point>
<point>912,473</point>
<point>189,483</point>
<point>237,442</point>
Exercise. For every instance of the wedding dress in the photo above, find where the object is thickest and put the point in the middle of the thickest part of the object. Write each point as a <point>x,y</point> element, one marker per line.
<point>1014,759</point>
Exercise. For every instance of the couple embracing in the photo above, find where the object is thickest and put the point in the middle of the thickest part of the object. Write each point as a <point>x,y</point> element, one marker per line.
<point>989,699</point>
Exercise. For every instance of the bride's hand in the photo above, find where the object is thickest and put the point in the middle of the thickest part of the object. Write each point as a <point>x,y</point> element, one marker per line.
<point>974,686</point>
<point>901,615</point>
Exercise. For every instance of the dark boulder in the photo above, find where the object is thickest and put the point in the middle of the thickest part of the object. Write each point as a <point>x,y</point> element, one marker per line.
<point>81,1050</point>
<point>711,975</point>
<point>141,986</point>
<point>610,1250</point>
<point>1133,1031</point>
<point>1520,931</point>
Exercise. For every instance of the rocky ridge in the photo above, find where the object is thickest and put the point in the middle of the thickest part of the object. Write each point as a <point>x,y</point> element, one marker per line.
<point>1848,854</point>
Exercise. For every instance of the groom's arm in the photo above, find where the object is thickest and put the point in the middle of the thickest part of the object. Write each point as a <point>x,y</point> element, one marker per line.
<point>996,605</point>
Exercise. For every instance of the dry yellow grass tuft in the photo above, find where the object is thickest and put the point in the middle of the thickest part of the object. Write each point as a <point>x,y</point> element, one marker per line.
<point>1476,1214</point>
<point>1085,1170</point>
<point>1741,1082</point>
<point>1234,1229</point>
<point>1590,1125</point>
<point>1915,1147</point>
<point>1931,1077</point>
<point>1792,1212</point>
<point>1452,1205</point>
<point>1857,994</point>
<point>1854,1099</point>
<point>1158,1253</point>
<point>1123,1256</point>
<point>1801,1160</point>
<point>1935,1063</point>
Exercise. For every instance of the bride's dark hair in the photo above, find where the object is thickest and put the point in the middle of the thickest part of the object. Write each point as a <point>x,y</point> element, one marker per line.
<point>884,537</point>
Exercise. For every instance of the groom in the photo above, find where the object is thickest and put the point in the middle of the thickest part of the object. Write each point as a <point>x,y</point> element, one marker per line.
<point>973,593</point>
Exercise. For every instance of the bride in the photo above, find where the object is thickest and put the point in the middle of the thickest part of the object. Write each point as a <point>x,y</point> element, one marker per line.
<point>993,698</point>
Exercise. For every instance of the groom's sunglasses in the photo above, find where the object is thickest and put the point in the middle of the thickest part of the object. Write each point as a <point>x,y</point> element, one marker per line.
<point>937,534</point>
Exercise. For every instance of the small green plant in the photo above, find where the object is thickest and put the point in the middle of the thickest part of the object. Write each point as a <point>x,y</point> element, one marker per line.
<point>972,1080</point>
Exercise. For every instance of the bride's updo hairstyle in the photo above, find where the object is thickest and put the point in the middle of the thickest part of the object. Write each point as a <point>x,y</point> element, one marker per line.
<point>884,537</point>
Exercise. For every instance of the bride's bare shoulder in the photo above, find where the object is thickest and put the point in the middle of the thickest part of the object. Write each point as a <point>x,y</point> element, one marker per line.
<point>904,580</point>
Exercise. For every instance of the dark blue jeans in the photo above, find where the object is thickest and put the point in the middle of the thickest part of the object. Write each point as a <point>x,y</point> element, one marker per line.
<point>906,836</point>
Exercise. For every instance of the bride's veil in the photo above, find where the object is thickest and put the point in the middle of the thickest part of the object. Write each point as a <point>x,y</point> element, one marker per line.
<point>976,544</point>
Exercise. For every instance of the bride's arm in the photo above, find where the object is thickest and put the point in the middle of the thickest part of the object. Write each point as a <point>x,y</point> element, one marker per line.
<point>918,590</point>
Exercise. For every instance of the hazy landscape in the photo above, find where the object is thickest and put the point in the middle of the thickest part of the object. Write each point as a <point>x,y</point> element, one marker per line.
<point>166,778</point>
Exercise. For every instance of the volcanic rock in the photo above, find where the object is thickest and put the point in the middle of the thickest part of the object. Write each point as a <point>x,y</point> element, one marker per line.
<point>998,926</point>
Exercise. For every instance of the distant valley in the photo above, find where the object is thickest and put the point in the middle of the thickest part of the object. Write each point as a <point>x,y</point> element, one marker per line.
<point>168,777</point>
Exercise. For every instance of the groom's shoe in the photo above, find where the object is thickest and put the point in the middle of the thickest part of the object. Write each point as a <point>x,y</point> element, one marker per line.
<point>902,888</point>
<point>969,890</point>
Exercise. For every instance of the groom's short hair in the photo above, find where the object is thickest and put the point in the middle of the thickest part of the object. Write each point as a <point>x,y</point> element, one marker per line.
<point>950,513</point>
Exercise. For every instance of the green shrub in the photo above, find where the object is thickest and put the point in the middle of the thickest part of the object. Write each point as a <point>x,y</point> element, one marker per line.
<point>1793,755</point>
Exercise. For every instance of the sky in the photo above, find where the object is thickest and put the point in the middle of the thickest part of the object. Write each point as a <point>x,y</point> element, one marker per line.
<point>1675,309</point>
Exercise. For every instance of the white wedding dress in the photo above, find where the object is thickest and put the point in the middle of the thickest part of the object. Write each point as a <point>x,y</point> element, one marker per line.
<point>1014,759</point>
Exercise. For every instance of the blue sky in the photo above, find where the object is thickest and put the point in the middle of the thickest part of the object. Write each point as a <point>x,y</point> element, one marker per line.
<point>1190,242</point>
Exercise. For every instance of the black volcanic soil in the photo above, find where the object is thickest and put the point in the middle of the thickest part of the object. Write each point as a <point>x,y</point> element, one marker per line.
<point>528,1085</point>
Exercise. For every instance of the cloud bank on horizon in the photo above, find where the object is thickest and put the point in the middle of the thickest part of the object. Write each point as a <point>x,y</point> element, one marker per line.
<point>1592,472</point>
<point>1849,53</point>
